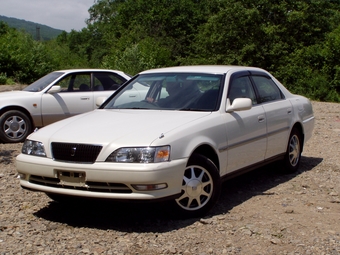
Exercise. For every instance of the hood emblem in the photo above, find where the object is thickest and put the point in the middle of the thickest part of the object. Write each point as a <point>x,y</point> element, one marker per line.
<point>73,151</point>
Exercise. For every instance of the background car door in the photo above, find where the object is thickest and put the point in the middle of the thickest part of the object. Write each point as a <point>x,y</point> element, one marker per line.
<point>75,97</point>
<point>278,112</point>
<point>78,94</point>
<point>246,130</point>
<point>104,84</point>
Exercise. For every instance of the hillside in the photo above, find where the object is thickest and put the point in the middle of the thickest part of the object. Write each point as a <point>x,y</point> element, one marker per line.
<point>46,32</point>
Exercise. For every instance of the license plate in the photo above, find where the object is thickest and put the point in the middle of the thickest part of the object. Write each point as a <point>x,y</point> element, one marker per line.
<point>70,178</point>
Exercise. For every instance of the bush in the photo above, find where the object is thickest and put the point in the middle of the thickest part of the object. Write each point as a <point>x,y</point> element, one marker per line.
<point>3,79</point>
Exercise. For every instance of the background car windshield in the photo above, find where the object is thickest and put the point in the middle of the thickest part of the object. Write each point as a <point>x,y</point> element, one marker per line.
<point>171,91</point>
<point>43,82</point>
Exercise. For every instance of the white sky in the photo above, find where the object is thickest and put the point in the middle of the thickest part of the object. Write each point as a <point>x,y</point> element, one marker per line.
<point>60,14</point>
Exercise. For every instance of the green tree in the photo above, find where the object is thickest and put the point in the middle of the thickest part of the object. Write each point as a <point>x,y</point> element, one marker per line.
<point>144,55</point>
<point>123,25</point>
<point>21,57</point>
<point>261,33</point>
<point>25,60</point>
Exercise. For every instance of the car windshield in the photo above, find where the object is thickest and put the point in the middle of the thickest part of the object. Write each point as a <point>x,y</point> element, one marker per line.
<point>43,82</point>
<point>170,91</point>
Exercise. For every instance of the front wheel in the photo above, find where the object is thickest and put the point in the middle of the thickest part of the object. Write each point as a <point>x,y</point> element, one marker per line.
<point>15,126</point>
<point>201,187</point>
<point>294,150</point>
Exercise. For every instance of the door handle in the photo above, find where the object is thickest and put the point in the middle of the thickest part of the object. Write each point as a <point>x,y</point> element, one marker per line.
<point>289,111</point>
<point>260,118</point>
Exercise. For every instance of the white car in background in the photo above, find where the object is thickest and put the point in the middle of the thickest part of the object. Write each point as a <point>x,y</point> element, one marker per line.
<point>196,126</point>
<point>56,96</point>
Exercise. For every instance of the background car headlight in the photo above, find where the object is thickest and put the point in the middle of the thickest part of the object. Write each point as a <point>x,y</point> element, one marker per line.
<point>140,155</point>
<point>33,148</point>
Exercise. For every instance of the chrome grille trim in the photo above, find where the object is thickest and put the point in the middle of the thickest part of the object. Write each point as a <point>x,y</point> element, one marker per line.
<point>75,152</point>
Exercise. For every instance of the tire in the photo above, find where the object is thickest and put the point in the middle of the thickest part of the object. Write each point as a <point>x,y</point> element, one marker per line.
<point>15,126</point>
<point>294,149</point>
<point>201,187</point>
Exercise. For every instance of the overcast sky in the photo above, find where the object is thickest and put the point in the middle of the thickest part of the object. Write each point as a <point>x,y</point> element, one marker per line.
<point>60,14</point>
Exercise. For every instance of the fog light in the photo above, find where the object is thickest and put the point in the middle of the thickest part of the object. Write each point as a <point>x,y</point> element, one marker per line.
<point>145,187</point>
<point>21,176</point>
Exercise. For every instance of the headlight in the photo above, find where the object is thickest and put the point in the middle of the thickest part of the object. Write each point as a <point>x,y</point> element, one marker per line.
<point>33,148</point>
<point>140,155</point>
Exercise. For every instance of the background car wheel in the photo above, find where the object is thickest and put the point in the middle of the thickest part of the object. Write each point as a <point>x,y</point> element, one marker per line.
<point>201,187</point>
<point>15,126</point>
<point>294,149</point>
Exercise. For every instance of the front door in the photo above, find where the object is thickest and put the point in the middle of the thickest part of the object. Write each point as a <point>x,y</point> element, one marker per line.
<point>75,97</point>
<point>246,130</point>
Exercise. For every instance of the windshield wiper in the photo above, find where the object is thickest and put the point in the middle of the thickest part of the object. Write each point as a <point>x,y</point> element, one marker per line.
<point>134,108</point>
<point>194,110</point>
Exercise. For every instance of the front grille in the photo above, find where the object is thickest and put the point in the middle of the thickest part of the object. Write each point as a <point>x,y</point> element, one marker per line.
<point>74,152</point>
<point>104,187</point>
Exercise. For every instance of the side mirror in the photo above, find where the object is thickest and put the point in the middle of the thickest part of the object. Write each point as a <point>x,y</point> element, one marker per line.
<point>100,101</point>
<point>239,104</point>
<point>54,89</point>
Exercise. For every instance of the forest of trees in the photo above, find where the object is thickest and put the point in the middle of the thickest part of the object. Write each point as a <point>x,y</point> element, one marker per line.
<point>44,33</point>
<point>298,41</point>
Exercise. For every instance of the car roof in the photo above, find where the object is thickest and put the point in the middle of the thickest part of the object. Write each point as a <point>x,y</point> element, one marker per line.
<point>88,70</point>
<point>213,69</point>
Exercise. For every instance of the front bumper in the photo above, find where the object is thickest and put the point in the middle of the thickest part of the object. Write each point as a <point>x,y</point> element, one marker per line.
<point>101,179</point>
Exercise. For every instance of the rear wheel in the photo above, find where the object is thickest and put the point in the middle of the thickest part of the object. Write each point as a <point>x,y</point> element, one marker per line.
<point>15,126</point>
<point>294,150</point>
<point>201,187</point>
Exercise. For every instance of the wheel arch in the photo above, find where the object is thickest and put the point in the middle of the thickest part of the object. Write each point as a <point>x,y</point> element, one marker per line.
<point>207,151</point>
<point>18,108</point>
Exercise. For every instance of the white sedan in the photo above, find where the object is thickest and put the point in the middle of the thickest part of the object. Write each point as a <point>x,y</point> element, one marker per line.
<point>56,96</point>
<point>196,126</point>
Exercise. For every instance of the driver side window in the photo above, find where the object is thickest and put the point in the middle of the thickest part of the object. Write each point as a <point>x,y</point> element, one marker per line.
<point>76,82</point>
<point>241,87</point>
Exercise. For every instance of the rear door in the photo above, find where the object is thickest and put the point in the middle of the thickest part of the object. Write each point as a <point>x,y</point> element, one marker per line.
<point>278,112</point>
<point>105,84</point>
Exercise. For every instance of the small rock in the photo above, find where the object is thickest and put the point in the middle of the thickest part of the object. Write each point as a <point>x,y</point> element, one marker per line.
<point>206,221</point>
<point>275,241</point>
<point>186,252</point>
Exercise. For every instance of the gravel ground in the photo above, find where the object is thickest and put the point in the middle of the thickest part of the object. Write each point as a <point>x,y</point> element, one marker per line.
<point>262,212</point>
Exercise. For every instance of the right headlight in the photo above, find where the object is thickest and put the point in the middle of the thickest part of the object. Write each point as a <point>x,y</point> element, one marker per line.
<point>33,148</point>
<point>140,155</point>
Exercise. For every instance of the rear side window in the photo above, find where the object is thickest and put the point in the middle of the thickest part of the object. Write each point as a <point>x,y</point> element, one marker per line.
<point>267,89</point>
<point>107,81</point>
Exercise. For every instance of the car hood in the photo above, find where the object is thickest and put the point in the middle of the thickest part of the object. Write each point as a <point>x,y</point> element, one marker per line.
<point>120,127</point>
<point>14,94</point>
